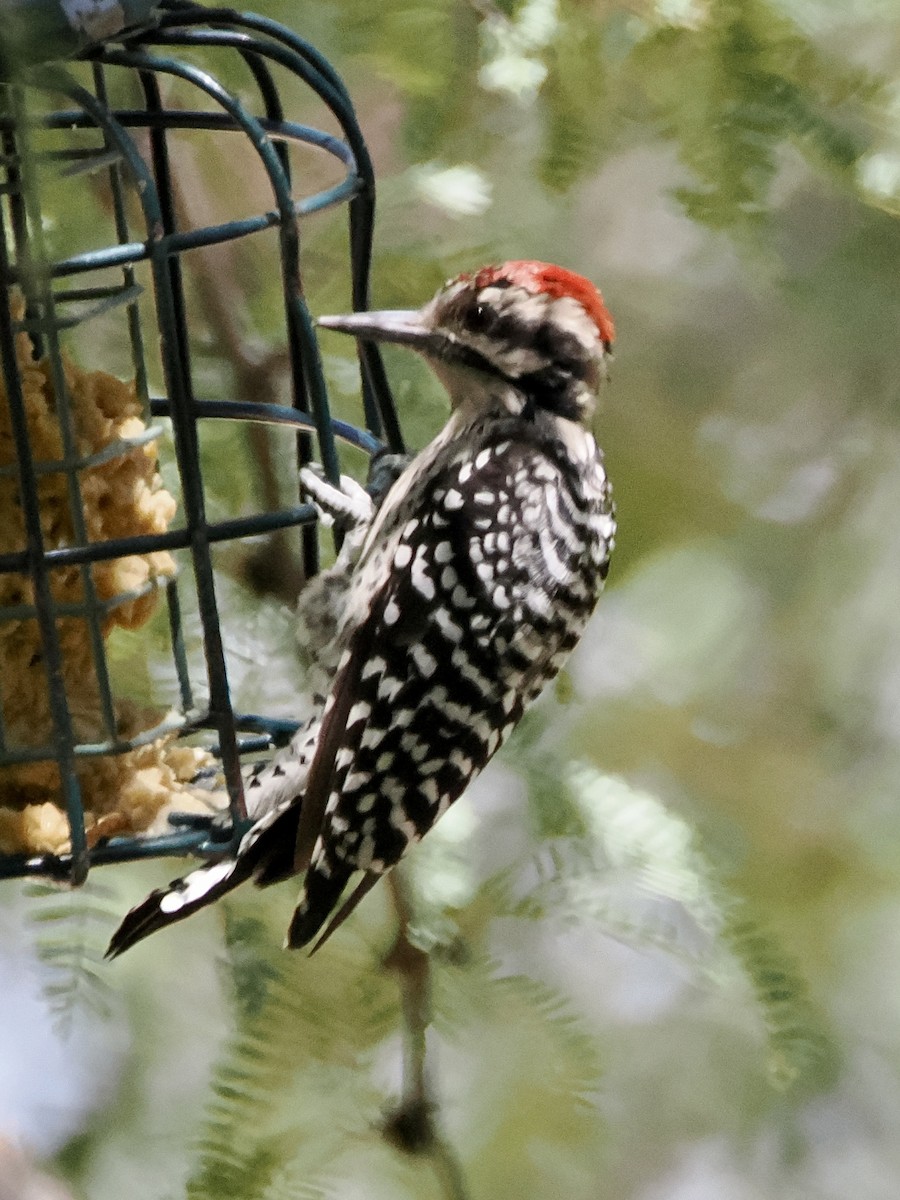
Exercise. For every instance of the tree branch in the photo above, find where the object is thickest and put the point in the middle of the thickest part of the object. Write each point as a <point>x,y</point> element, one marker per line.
<point>412,1126</point>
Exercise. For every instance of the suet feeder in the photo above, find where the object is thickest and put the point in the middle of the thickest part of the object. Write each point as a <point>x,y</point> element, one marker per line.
<point>100,377</point>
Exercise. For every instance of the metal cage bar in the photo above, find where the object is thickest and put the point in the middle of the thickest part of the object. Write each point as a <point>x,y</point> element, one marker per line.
<point>87,135</point>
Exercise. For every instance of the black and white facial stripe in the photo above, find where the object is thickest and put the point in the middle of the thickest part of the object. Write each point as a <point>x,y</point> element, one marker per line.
<point>546,347</point>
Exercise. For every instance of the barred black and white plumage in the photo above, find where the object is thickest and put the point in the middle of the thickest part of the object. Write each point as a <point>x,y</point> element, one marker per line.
<point>451,606</point>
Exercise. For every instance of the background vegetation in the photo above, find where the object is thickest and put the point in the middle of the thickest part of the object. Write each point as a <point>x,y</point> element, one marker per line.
<point>663,927</point>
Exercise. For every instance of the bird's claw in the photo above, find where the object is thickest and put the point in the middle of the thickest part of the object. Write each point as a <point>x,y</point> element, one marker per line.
<point>344,506</point>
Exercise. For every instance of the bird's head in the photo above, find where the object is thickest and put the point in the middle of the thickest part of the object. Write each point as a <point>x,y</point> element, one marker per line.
<point>531,333</point>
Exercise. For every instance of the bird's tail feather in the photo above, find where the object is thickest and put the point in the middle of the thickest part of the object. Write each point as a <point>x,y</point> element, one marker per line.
<point>321,892</point>
<point>181,898</point>
<point>266,853</point>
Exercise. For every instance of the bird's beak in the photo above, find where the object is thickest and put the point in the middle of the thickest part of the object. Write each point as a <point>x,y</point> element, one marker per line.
<point>406,328</point>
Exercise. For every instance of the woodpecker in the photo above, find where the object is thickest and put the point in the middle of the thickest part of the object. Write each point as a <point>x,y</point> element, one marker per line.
<point>452,605</point>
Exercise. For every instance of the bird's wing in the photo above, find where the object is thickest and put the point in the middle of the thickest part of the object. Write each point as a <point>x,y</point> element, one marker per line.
<point>436,673</point>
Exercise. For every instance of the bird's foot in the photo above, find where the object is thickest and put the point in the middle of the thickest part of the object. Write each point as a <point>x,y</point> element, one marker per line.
<point>346,506</point>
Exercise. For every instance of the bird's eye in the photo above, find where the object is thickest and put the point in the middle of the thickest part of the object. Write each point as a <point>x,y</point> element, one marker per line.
<point>480,318</point>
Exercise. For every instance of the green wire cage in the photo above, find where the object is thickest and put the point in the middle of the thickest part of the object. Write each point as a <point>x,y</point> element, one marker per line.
<point>78,447</point>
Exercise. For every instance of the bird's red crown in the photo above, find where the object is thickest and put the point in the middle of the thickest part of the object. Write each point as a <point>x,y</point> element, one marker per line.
<point>556,282</point>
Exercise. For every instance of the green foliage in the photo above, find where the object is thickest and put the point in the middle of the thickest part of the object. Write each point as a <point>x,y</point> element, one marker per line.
<point>427,50</point>
<point>296,1060</point>
<point>71,931</point>
<point>526,1026</point>
<point>802,1053</point>
<point>293,1095</point>
<point>733,92</point>
<point>732,85</point>
<point>639,871</point>
<point>571,103</point>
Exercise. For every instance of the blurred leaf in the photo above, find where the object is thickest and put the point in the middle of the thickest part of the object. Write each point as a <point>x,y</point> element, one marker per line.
<point>72,929</point>
<point>573,104</point>
<point>802,1053</point>
<point>427,50</point>
<point>303,1026</point>
<point>640,872</point>
<point>733,91</point>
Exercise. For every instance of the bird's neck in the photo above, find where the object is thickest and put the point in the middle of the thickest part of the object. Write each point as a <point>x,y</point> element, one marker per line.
<point>476,396</point>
